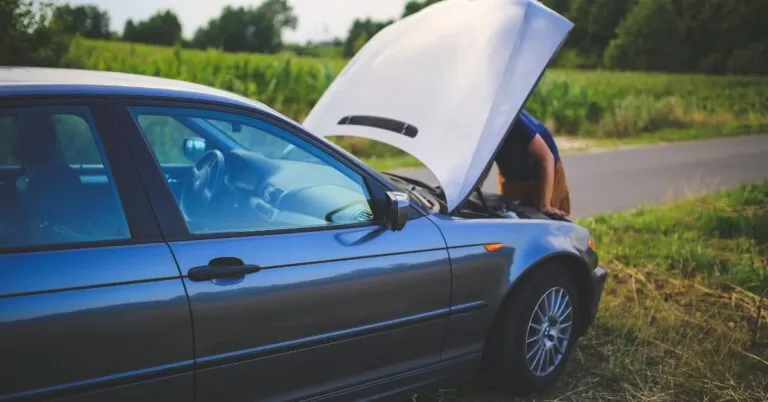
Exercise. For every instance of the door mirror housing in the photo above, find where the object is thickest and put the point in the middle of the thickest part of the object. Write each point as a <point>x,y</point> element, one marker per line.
<point>194,148</point>
<point>398,210</point>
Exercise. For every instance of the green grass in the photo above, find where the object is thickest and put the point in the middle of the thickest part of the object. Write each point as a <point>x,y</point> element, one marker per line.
<point>684,314</point>
<point>392,162</point>
<point>721,238</point>
<point>670,135</point>
<point>692,134</point>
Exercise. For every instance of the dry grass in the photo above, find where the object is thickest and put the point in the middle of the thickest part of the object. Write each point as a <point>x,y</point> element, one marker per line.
<point>659,339</point>
<point>672,331</point>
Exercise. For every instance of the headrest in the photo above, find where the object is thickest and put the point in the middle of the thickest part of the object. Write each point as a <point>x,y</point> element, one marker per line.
<point>35,141</point>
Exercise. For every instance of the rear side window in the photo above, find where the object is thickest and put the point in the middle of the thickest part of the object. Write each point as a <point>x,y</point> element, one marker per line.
<point>55,184</point>
<point>78,146</point>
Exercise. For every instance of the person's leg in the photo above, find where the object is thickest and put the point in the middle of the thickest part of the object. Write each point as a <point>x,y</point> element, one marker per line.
<point>560,194</point>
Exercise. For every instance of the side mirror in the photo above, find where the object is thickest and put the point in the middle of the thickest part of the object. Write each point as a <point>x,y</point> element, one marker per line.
<point>398,210</point>
<point>194,148</point>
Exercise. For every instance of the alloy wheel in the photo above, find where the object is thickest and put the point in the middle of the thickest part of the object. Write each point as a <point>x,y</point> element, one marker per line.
<point>549,331</point>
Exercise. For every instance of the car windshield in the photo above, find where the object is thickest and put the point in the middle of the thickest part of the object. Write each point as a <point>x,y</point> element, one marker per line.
<point>255,140</point>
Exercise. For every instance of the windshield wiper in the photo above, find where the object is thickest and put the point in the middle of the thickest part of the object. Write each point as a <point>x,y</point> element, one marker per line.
<point>417,183</point>
<point>412,189</point>
<point>423,200</point>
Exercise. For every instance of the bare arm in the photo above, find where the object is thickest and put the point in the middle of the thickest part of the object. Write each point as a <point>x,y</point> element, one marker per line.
<point>539,149</point>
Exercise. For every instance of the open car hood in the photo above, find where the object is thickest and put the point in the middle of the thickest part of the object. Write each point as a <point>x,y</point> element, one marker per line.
<point>444,84</point>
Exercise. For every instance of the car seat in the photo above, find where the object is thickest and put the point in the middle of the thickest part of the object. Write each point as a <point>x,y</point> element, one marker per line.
<point>50,190</point>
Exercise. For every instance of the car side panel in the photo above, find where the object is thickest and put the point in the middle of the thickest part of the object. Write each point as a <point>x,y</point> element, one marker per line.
<point>314,371</point>
<point>169,389</point>
<point>75,321</point>
<point>485,278</point>
<point>329,309</point>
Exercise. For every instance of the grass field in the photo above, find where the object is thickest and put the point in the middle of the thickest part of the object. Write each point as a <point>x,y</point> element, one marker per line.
<point>685,314</point>
<point>611,107</point>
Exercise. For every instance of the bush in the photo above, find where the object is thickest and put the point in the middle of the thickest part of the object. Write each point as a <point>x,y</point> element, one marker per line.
<point>565,106</point>
<point>639,114</point>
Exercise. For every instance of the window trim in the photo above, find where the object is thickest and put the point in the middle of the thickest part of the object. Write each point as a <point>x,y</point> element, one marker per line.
<point>129,190</point>
<point>166,207</point>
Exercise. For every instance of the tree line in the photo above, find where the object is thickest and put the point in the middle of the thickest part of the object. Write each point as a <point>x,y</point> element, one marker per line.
<point>37,32</point>
<point>707,36</point>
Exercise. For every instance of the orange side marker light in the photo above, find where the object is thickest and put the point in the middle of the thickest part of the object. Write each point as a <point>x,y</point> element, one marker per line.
<point>493,247</point>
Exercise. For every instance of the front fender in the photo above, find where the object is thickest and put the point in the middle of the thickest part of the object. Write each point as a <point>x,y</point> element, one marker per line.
<point>485,278</point>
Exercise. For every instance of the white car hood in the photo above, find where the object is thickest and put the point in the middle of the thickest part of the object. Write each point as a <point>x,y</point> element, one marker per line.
<point>444,84</point>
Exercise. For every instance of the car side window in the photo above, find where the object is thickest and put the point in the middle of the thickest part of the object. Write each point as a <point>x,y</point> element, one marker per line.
<point>247,175</point>
<point>55,186</point>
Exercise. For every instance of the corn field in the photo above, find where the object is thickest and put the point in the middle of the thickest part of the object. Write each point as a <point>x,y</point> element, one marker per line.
<point>589,103</point>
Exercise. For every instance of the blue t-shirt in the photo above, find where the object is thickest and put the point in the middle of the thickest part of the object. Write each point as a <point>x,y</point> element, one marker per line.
<point>513,159</point>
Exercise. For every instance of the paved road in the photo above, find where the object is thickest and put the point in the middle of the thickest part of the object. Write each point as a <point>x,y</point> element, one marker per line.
<point>624,179</point>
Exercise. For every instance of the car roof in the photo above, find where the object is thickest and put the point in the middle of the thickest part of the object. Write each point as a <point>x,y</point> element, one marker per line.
<point>30,81</point>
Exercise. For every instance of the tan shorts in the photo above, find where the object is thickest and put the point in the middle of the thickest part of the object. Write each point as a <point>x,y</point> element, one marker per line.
<point>529,193</point>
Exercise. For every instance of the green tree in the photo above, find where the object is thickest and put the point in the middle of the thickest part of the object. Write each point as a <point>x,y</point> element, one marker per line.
<point>595,23</point>
<point>750,59</point>
<point>363,30</point>
<point>650,38</point>
<point>414,6</point>
<point>723,35</point>
<point>87,21</point>
<point>26,37</point>
<point>359,34</point>
<point>251,29</point>
<point>162,28</point>
<point>560,6</point>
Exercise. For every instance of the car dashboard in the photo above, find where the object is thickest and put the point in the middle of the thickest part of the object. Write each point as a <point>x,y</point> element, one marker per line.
<point>286,193</point>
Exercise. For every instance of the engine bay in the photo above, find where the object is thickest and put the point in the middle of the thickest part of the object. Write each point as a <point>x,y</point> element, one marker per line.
<point>489,205</point>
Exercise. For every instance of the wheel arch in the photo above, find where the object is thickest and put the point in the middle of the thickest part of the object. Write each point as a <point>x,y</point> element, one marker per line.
<point>579,271</point>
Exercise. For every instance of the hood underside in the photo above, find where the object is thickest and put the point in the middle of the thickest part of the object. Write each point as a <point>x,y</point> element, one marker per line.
<point>444,84</point>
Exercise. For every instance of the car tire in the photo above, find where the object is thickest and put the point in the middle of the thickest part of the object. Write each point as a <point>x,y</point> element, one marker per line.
<point>513,364</point>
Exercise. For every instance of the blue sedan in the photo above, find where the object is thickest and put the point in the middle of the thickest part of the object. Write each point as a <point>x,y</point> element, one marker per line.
<point>166,241</point>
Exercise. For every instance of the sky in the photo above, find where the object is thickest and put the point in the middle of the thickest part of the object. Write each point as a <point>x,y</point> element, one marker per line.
<point>318,19</point>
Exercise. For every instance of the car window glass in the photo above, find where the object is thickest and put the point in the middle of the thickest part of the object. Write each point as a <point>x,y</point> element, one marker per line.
<point>77,144</point>
<point>250,175</point>
<point>164,134</point>
<point>55,187</point>
<point>7,132</point>
<point>256,140</point>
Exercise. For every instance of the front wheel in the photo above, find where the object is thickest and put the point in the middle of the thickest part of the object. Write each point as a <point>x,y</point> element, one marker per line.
<point>534,332</point>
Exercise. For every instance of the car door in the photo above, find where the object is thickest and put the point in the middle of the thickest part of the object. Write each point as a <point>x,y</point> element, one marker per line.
<point>92,306</point>
<point>323,297</point>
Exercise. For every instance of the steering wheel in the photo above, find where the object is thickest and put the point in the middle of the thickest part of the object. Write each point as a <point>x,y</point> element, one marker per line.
<point>207,180</point>
<point>329,216</point>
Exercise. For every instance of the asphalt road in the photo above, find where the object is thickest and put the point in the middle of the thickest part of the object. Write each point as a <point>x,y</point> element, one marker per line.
<point>623,179</point>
